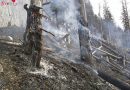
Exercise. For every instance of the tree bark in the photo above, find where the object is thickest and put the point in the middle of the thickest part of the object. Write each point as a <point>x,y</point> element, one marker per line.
<point>83,12</point>
<point>33,34</point>
<point>84,38</point>
<point>85,50</point>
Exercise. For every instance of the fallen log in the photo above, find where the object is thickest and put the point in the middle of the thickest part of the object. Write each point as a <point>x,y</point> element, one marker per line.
<point>115,67</point>
<point>6,38</point>
<point>118,83</point>
<point>103,43</point>
<point>10,43</point>
<point>96,50</point>
<point>106,46</point>
<point>109,49</point>
<point>117,57</point>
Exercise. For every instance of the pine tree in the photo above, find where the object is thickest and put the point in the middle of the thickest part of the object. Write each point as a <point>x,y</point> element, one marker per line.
<point>125,16</point>
<point>106,12</point>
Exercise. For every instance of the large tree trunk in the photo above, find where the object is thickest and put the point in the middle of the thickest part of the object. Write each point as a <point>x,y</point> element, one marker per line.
<point>84,35</point>
<point>84,45</point>
<point>32,2</point>
<point>83,12</point>
<point>33,35</point>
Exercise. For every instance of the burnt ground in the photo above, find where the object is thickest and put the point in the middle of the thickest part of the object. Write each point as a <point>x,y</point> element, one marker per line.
<point>56,73</point>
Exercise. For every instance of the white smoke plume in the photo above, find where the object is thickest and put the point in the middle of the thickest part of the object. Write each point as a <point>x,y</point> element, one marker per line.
<point>63,21</point>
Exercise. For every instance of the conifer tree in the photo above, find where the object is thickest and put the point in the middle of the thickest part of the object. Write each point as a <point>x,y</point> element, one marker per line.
<point>106,12</point>
<point>125,16</point>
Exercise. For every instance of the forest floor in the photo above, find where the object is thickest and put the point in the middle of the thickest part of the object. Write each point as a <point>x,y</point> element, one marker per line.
<point>56,73</point>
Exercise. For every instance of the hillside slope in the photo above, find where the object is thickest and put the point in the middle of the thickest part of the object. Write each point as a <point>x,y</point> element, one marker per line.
<point>56,73</point>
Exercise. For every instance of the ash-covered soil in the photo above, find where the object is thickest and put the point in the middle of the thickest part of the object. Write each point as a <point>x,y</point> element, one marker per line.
<point>56,73</point>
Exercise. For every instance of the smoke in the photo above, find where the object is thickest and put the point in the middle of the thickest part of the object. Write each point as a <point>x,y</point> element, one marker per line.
<point>66,10</point>
<point>63,20</point>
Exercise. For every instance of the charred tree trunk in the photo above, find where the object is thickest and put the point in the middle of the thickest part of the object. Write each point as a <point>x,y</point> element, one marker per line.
<point>29,18</point>
<point>83,12</point>
<point>84,35</point>
<point>85,50</point>
<point>33,33</point>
